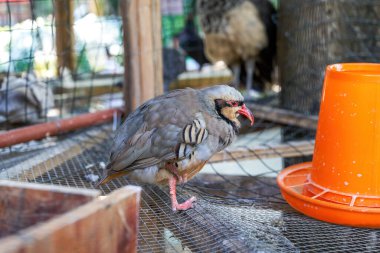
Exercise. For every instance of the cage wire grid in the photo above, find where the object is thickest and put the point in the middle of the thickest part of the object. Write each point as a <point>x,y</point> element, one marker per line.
<point>42,80</point>
<point>314,34</point>
<point>233,213</point>
<point>239,207</point>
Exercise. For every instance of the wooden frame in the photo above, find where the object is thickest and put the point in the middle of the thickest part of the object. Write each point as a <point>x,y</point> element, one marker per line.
<point>283,116</point>
<point>64,34</point>
<point>94,224</point>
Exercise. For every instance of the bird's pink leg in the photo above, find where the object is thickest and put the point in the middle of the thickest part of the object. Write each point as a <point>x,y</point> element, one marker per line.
<point>173,196</point>
<point>174,170</point>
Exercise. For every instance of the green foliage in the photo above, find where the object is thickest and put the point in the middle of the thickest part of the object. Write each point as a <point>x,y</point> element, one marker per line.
<point>275,3</point>
<point>43,8</point>
<point>173,24</point>
<point>24,64</point>
<point>82,62</point>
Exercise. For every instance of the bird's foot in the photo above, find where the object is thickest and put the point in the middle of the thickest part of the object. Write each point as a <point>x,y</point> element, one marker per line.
<point>173,196</point>
<point>185,205</point>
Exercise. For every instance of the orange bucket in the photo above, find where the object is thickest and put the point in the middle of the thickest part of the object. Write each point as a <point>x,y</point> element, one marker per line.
<point>342,183</point>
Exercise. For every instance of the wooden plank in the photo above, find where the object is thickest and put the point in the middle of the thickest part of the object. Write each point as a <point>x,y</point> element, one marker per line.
<point>132,92</point>
<point>198,80</point>
<point>101,226</point>
<point>283,116</point>
<point>157,47</point>
<point>64,35</point>
<point>290,149</point>
<point>142,52</point>
<point>145,34</point>
<point>97,86</point>
<point>23,205</point>
<point>82,92</point>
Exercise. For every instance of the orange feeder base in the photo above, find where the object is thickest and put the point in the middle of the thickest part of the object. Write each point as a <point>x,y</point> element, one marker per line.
<point>299,191</point>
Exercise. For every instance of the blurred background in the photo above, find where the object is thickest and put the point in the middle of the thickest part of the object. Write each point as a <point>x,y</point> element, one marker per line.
<point>74,49</point>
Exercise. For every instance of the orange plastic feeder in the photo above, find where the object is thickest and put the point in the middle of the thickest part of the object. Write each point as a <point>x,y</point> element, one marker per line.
<point>342,183</point>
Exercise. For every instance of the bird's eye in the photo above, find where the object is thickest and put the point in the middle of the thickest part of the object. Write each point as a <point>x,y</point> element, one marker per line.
<point>234,103</point>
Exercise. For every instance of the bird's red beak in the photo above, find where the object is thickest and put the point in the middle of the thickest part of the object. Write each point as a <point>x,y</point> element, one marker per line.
<point>246,113</point>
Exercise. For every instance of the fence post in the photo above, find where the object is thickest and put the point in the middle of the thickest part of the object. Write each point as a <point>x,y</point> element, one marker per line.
<point>64,35</point>
<point>142,51</point>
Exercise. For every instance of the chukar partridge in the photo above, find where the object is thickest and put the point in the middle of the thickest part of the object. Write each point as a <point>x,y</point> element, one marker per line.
<point>168,139</point>
<point>241,33</point>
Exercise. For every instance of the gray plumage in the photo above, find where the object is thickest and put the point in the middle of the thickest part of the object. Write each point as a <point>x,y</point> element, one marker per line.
<point>153,134</point>
<point>171,137</point>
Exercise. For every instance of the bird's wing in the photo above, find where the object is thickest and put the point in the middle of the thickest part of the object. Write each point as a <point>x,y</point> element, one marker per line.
<point>167,128</point>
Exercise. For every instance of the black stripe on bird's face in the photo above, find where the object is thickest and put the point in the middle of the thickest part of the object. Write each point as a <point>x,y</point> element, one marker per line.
<point>227,110</point>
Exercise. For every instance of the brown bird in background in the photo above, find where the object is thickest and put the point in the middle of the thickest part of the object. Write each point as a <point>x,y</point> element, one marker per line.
<point>168,139</point>
<point>241,31</point>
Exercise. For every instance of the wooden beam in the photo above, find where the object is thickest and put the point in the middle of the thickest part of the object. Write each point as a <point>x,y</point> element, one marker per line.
<point>142,51</point>
<point>157,47</point>
<point>290,149</point>
<point>283,116</point>
<point>64,34</point>
<point>198,80</point>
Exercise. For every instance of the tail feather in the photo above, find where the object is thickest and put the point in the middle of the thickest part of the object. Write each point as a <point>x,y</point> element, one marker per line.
<point>108,178</point>
<point>109,174</point>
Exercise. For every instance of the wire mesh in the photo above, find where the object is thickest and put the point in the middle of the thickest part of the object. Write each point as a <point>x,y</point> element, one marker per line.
<point>185,28</point>
<point>80,69</point>
<point>334,31</point>
<point>52,65</point>
<point>239,206</point>
<point>313,34</point>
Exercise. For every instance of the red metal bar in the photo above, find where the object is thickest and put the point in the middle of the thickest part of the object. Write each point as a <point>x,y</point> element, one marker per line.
<point>14,1</point>
<point>43,130</point>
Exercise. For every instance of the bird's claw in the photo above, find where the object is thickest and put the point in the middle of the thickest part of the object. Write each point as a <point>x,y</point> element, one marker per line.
<point>185,205</point>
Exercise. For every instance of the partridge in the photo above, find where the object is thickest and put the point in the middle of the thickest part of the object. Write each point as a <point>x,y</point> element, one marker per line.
<point>168,139</point>
<point>241,33</point>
